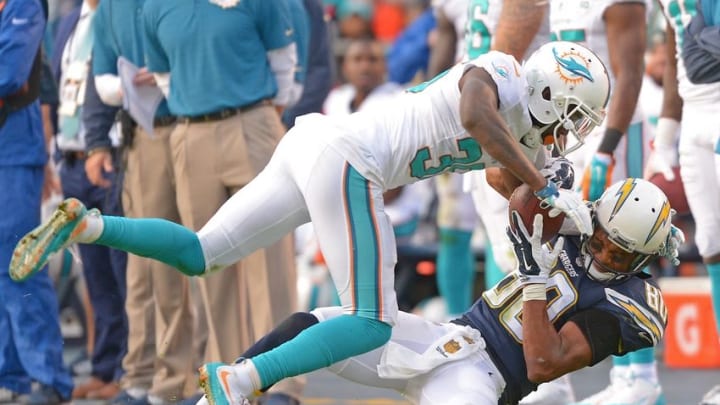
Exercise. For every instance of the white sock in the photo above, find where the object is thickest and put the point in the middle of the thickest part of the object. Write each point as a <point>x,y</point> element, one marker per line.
<point>251,382</point>
<point>136,392</point>
<point>620,374</point>
<point>645,371</point>
<point>94,226</point>
<point>155,400</point>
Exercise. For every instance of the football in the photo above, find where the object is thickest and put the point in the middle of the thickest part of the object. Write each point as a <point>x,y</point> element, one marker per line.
<point>674,191</point>
<point>523,201</point>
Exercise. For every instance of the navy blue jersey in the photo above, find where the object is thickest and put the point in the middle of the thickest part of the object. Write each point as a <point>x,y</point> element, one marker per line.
<point>637,303</point>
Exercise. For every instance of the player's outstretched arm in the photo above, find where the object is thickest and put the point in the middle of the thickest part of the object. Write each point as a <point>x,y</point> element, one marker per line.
<point>480,117</point>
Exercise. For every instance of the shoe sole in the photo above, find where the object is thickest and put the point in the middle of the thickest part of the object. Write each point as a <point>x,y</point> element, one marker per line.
<point>31,253</point>
<point>206,386</point>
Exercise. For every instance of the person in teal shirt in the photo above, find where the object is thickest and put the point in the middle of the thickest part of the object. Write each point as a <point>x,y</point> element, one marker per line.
<point>228,69</point>
<point>160,354</point>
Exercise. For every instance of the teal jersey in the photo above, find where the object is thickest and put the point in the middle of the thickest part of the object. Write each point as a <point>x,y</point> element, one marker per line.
<point>216,55</point>
<point>117,26</point>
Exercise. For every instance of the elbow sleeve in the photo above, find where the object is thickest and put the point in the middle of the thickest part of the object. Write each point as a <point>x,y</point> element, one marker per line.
<point>163,82</point>
<point>109,89</point>
<point>282,63</point>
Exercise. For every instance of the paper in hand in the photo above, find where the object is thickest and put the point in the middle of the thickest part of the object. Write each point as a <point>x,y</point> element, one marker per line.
<point>140,101</point>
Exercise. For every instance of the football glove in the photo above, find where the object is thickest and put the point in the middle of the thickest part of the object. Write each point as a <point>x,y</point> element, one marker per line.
<point>661,160</point>
<point>568,202</point>
<point>597,176</point>
<point>560,171</point>
<point>674,240</point>
<point>535,263</point>
<point>664,151</point>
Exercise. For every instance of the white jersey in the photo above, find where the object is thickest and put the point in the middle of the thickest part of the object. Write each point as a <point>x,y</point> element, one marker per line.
<point>421,135</point>
<point>481,21</point>
<point>339,99</point>
<point>678,14</point>
<point>456,11</point>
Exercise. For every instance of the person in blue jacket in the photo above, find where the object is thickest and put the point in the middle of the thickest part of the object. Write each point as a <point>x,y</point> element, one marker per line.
<point>30,343</point>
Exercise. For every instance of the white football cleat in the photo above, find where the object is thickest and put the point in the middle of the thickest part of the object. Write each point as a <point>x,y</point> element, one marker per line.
<point>618,382</point>
<point>555,392</point>
<point>712,397</point>
<point>639,392</point>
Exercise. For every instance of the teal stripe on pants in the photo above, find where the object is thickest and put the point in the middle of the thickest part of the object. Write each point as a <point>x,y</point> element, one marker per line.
<point>634,157</point>
<point>365,266</point>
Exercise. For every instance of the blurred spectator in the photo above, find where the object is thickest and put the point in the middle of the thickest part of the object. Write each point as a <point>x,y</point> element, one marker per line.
<point>160,357</point>
<point>365,71</point>
<point>103,268</point>
<point>319,73</point>
<point>354,17</point>
<point>228,127</point>
<point>30,344</point>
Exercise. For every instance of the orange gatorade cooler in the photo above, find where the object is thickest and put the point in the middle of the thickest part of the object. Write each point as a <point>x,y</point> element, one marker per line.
<point>691,338</point>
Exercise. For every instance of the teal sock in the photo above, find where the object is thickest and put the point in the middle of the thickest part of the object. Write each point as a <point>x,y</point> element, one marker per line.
<point>493,273</point>
<point>642,356</point>
<point>321,345</point>
<point>455,269</point>
<point>158,239</point>
<point>621,360</point>
<point>714,273</point>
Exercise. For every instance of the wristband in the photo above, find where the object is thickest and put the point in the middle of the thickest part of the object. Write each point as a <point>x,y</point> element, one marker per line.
<point>550,190</point>
<point>534,292</point>
<point>666,131</point>
<point>610,141</point>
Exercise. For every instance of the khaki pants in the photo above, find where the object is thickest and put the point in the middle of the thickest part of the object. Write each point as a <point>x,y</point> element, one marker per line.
<point>242,303</point>
<point>158,305</point>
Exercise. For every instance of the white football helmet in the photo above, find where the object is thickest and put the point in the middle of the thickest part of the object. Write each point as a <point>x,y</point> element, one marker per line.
<point>569,86</point>
<point>636,216</point>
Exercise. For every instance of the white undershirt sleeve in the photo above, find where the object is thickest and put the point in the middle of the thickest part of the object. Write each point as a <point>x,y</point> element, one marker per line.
<point>282,63</point>
<point>163,82</point>
<point>109,89</point>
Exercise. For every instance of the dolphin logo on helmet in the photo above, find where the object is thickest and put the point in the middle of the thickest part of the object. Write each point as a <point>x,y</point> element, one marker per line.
<point>575,68</point>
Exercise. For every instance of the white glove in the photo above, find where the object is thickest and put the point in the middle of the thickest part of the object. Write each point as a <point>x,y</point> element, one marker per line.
<point>568,202</point>
<point>661,160</point>
<point>664,154</point>
<point>674,240</point>
<point>560,171</point>
<point>535,263</point>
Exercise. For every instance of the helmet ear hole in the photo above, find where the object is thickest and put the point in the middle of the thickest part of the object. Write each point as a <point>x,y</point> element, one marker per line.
<point>546,95</point>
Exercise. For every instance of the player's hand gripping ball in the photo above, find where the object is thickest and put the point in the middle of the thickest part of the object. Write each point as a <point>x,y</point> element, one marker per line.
<point>524,201</point>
